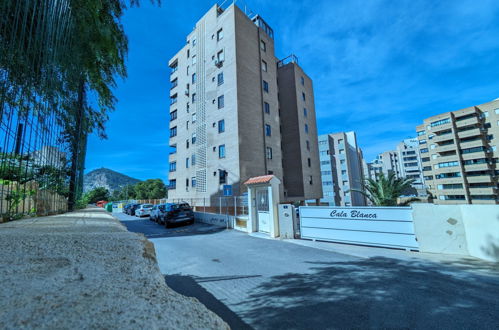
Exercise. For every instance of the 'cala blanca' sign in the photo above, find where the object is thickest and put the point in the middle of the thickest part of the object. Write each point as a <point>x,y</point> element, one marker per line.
<point>380,226</point>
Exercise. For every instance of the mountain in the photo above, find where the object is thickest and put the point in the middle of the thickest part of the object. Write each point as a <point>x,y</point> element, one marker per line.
<point>109,179</point>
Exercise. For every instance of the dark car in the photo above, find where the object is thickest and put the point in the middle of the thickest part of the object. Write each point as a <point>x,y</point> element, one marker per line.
<point>126,208</point>
<point>177,213</point>
<point>133,208</point>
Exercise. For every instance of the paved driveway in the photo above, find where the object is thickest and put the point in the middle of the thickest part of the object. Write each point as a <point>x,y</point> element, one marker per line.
<point>259,283</point>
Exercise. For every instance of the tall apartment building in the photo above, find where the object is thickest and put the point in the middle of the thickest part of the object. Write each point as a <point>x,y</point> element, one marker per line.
<point>341,169</point>
<point>404,162</point>
<point>386,162</point>
<point>409,161</point>
<point>230,119</point>
<point>459,155</point>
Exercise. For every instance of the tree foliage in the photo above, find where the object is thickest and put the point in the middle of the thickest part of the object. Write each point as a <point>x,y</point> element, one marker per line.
<point>385,190</point>
<point>149,189</point>
<point>97,194</point>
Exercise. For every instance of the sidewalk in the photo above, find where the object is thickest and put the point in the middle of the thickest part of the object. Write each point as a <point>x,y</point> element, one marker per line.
<point>466,263</point>
<point>85,270</point>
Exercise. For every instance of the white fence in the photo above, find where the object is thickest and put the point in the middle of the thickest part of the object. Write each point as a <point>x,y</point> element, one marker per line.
<point>378,226</point>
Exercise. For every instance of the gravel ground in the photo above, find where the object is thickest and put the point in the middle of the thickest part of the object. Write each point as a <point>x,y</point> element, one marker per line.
<point>85,270</point>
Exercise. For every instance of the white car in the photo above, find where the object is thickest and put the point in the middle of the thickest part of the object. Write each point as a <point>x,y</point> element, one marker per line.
<point>144,210</point>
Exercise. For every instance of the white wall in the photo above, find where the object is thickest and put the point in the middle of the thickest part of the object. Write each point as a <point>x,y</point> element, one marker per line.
<point>470,230</point>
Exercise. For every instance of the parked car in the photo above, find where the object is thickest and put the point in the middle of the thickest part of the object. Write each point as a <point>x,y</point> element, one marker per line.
<point>133,208</point>
<point>143,210</point>
<point>157,212</point>
<point>126,208</point>
<point>177,213</point>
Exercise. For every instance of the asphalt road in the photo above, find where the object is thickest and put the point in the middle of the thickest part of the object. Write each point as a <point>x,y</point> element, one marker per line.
<point>259,283</point>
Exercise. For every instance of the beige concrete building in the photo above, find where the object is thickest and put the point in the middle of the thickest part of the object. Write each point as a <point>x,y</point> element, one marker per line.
<point>226,122</point>
<point>341,169</point>
<point>459,155</point>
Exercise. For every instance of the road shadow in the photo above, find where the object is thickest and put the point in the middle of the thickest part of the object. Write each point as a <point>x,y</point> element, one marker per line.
<point>375,293</point>
<point>151,229</point>
<point>188,286</point>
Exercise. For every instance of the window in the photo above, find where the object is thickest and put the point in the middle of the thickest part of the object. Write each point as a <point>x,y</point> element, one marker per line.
<point>450,186</point>
<point>188,53</point>
<point>496,111</point>
<point>194,117</point>
<point>173,115</point>
<point>263,45</point>
<point>265,86</point>
<point>303,97</point>
<point>194,78</point>
<point>187,183</point>
<point>173,99</point>
<point>193,138</point>
<point>269,153</point>
<point>421,133</point>
<point>221,126</point>
<point>193,159</point>
<point>173,184</point>
<point>193,182</point>
<point>220,78</point>
<point>447,164</point>
<point>266,107</point>
<point>425,159</point>
<point>485,114</point>
<point>220,101</point>
<point>194,42</point>
<point>448,175</point>
<point>193,98</point>
<point>220,56</point>
<point>264,66</point>
<point>187,162</point>
<point>305,112</point>
<point>310,180</point>
<point>343,172</point>
<point>174,83</point>
<point>173,166</point>
<point>221,151</point>
<point>187,144</point>
<point>306,128</point>
<point>173,131</point>
<point>424,150</point>
<point>194,59</point>
<point>440,122</point>
<point>472,150</point>
<point>309,162</point>
<point>303,81</point>
<point>308,145</point>
<point>220,34</point>
<point>268,130</point>
<point>341,151</point>
<point>187,125</point>
<point>222,176</point>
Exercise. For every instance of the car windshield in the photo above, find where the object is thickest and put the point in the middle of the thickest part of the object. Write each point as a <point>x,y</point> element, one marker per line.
<point>147,206</point>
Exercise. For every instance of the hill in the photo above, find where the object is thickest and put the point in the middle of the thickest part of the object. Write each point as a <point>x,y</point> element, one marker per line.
<point>109,179</point>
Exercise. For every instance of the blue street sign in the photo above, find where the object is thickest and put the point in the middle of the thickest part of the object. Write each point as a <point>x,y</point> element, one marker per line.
<point>227,190</point>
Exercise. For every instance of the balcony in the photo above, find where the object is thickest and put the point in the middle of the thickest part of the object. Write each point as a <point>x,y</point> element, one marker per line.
<point>467,122</point>
<point>476,167</point>
<point>446,148</point>
<point>483,191</point>
<point>469,133</point>
<point>474,155</point>
<point>479,179</point>
<point>444,137</point>
<point>471,144</point>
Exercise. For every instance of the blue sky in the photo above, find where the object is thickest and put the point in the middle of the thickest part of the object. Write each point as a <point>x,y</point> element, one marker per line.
<point>379,68</point>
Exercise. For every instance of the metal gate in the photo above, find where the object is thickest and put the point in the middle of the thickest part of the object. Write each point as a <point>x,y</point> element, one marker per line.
<point>379,226</point>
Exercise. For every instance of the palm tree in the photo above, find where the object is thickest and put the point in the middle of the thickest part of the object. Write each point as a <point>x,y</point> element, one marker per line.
<point>386,190</point>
